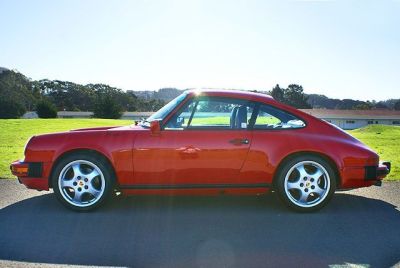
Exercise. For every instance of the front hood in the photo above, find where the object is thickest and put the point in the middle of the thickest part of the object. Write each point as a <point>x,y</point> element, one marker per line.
<point>111,128</point>
<point>74,133</point>
<point>94,128</point>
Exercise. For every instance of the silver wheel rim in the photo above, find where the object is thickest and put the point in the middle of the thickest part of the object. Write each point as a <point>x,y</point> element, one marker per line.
<point>81,183</point>
<point>307,184</point>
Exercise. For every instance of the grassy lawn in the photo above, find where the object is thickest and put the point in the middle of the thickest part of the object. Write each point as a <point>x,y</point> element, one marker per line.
<point>14,134</point>
<point>385,140</point>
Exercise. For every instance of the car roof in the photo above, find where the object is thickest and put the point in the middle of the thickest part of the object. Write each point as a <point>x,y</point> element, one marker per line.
<point>229,92</point>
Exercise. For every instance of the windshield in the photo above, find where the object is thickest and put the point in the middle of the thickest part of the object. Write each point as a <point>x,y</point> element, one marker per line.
<point>164,111</point>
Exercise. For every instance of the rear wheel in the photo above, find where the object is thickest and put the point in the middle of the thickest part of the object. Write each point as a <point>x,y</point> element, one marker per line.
<point>306,183</point>
<point>82,181</point>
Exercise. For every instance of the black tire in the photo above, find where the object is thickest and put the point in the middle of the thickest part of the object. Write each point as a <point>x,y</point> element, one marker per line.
<point>82,190</point>
<point>298,190</point>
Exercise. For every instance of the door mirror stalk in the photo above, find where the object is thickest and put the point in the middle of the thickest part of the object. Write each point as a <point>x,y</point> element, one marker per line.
<point>155,127</point>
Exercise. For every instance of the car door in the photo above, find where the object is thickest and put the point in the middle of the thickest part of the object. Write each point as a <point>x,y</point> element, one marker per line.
<point>274,136</point>
<point>206,142</point>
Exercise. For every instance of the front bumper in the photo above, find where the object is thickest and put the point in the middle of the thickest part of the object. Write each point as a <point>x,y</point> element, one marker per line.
<point>31,174</point>
<point>23,169</point>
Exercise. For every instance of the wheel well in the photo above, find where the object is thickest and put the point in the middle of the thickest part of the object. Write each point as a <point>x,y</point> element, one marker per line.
<point>323,156</point>
<point>87,151</point>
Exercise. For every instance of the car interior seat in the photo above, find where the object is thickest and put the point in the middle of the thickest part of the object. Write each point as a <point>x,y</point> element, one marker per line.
<point>233,116</point>
<point>241,117</point>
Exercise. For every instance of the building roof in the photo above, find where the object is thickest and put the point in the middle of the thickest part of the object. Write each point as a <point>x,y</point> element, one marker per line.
<point>353,114</point>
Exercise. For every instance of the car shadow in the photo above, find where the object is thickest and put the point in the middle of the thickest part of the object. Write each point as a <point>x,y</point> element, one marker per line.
<point>219,231</point>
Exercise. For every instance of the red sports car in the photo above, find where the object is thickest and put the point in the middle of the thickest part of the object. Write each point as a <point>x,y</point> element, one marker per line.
<point>204,142</point>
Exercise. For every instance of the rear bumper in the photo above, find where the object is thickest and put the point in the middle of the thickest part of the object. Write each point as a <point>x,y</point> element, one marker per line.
<point>354,177</point>
<point>30,174</point>
<point>384,169</point>
<point>373,173</point>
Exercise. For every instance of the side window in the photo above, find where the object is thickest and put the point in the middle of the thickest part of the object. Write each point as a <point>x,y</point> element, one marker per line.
<point>212,113</point>
<point>272,118</point>
<point>266,119</point>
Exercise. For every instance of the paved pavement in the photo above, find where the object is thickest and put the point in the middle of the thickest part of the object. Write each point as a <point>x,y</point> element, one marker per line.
<point>358,228</point>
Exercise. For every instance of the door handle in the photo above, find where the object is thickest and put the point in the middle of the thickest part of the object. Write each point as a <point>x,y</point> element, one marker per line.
<point>239,141</point>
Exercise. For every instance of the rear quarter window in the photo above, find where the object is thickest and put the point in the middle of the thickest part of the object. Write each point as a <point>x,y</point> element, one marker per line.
<point>269,117</point>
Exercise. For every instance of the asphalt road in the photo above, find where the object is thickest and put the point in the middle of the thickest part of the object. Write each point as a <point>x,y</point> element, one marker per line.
<point>359,227</point>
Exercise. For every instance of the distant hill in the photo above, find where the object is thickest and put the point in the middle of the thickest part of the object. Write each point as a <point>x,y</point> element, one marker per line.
<point>322,101</point>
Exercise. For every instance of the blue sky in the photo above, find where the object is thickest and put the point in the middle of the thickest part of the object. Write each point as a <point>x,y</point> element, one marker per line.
<point>343,49</point>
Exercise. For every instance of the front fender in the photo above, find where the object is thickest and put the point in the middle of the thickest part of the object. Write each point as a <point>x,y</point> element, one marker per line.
<point>116,146</point>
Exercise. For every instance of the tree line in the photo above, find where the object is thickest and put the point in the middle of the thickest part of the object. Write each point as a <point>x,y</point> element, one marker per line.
<point>294,95</point>
<point>19,94</point>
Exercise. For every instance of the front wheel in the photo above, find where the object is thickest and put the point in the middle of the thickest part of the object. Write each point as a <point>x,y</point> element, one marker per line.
<point>82,181</point>
<point>306,183</point>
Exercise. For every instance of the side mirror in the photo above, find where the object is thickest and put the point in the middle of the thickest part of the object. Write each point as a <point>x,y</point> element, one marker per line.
<point>155,127</point>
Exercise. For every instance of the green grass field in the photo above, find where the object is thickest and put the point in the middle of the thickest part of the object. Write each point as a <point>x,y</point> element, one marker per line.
<point>15,133</point>
<point>385,140</point>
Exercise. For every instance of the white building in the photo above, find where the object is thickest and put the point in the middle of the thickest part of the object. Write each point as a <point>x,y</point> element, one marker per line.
<point>351,119</point>
<point>71,114</point>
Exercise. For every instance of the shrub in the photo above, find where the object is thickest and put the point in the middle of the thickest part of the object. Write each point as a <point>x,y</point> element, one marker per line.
<point>10,108</point>
<point>107,107</point>
<point>46,109</point>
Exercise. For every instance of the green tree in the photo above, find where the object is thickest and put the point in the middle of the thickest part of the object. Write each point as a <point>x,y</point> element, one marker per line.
<point>294,96</point>
<point>16,86</point>
<point>107,107</point>
<point>381,105</point>
<point>363,106</point>
<point>397,106</point>
<point>10,108</point>
<point>46,109</point>
<point>278,93</point>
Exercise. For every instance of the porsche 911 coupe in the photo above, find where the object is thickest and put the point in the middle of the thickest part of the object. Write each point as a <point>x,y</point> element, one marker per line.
<point>204,142</point>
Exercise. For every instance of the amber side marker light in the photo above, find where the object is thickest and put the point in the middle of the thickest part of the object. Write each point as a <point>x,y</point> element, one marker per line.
<point>20,170</point>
